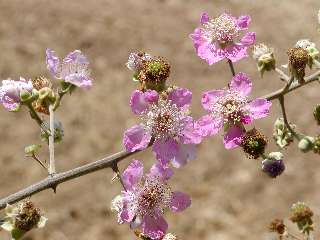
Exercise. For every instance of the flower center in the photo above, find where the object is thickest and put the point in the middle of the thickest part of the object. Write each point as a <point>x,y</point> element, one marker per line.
<point>231,106</point>
<point>222,29</point>
<point>163,120</point>
<point>154,196</point>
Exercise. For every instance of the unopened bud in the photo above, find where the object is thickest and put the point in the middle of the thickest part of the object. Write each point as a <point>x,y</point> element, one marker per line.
<point>273,165</point>
<point>306,144</point>
<point>264,57</point>
<point>316,145</point>
<point>32,149</point>
<point>281,134</point>
<point>25,95</point>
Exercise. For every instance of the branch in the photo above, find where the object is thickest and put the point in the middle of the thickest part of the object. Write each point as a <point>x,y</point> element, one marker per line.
<point>110,161</point>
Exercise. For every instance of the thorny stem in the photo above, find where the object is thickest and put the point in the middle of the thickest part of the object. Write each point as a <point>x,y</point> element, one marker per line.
<point>231,67</point>
<point>285,119</point>
<point>52,166</point>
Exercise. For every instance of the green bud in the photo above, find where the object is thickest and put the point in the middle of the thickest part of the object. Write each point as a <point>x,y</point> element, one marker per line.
<point>25,96</point>
<point>46,94</point>
<point>316,113</point>
<point>32,149</point>
<point>264,57</point>
<point>306,144</point>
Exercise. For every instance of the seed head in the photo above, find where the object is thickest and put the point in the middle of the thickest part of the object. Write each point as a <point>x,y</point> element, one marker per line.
<point>277,226</point>
<point>41,82</point>
<point>28,216</point>
<point>298,59</point>
<point>254,143</point>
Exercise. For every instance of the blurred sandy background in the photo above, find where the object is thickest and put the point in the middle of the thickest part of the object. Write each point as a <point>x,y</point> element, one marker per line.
<point>232,199</point>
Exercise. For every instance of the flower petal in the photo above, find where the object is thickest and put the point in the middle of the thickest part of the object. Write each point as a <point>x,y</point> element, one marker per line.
<point>77,57</point>
<point>209,98</point>
<point>204,18</point>
<point>165,150</point>
<point>259,108</point>
<point>140,101</point>
<point>154,227</point>
<point>241,83</point>
<point>181,97</point>
<point>136,138</point>
<point>164,172</point>
<point>179,202</point>
<point>243,22</point>
<point>207,126</point>
<point>79,80</point>
<point>185,153</point>
<point>128,211</point>
<point>133,174</point>
<point>190,133</point>
<point>233,137</point>
<point>53,62</point>
<point>248,39</point>
<point>235,52</point>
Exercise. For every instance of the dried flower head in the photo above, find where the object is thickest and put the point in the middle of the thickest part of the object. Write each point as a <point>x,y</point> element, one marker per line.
<point>281,134</point>
<point>316,113</point>
<point>254,143</point>
<point>41,82</point>
<point>298,59</point>
<point>264,57</point>
<point>273,165</point>
<point>277,226</point>
<point>154,74</point>
<point>302,215</point>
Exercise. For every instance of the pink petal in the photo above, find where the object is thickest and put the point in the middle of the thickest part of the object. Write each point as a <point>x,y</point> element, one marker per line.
<point>181,97</point>
<point>185,153</point>
<point>211,53</point>
<point>210,98</point>
<point>248,39</point>
<point>241,83</point>
<point>77,57</point>
<point>235,52</point>
<point>133,174</point>
<point>243,22</point>
<point>207,126</point>
<point>154,227</point>
<point>259,108</point>
<point>233,137</point>
<point>128,212</point>
<point>179,202</point>
<point>140,101</point>
<point>164,172</point>
<point>165,150</point>
<point>204,18</point>
<point>190,133</point>
<point>136,138</point>
<point>53,62</point>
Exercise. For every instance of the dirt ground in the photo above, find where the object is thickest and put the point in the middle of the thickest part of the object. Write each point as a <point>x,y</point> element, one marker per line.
<point>232,198</point>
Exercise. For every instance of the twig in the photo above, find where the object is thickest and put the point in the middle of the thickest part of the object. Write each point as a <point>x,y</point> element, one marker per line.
<point>39,161</point>
<point>52,165</point>
<point>231,67</point>
<point>117,172</point>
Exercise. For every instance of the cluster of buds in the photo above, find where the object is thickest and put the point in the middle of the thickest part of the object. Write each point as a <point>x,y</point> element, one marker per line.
<point>310,47</point>
<point>46,94</point>
<point>254,143</point>
<point>281,134</point>
<point>302,215</point>
<point>22,218</point>
<point>298,60</point>
<point>264,57</point>
<point>151,72</point>
<point>273,164</point>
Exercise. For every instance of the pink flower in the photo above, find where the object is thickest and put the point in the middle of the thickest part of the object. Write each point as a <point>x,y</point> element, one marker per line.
<point>219,38</point>
<point>230,108</point>
<point>147,197</point>
<point>73,69</point>
<point>167,122</point>
<point>10,92</point>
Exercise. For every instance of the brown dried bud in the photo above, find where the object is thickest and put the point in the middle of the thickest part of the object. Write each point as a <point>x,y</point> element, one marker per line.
<point>298,59</point>
<point>40,107</point>
<point>254,143</point>
<point>154,74</point>
<point>277,226</point>
<point>28,216</point>
<point>41,82</point>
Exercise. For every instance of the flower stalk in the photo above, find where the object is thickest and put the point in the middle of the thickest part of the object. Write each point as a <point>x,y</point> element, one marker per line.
<point>52,166</point>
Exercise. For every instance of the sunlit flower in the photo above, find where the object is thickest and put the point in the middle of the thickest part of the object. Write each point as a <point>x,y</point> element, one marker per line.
<point>147,197</point>
<point>166,120</point>
<point>230,109</point>
<point>220,38</point>
<point>74,68</point>
<point>11,90</point>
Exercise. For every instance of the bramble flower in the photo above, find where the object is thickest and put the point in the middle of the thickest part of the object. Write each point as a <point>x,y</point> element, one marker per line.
<point>21,219</point>
<point>165,119</point>
<point>11,92</point>
<point>273,165</point>
<point>74,68</point>
<point>219,38</point>
<point>230,109</point>
<point>147,197</point>
<point>264,57</point>
<point>281,134</point>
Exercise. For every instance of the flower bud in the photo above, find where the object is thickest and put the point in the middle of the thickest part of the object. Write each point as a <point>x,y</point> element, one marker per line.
<point>24,95</point>
<point>277,226</point>
<point>32,149</point>
<point>316,145</point>
<point>254,143</point>
<point>298,59</point>
<point>273,165</point>
<point>281,134</point>
<point>302,215</point>
<point>306,144</point>
<point>316,113</point>
<point>264,57</point>
<point>154,74</point>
